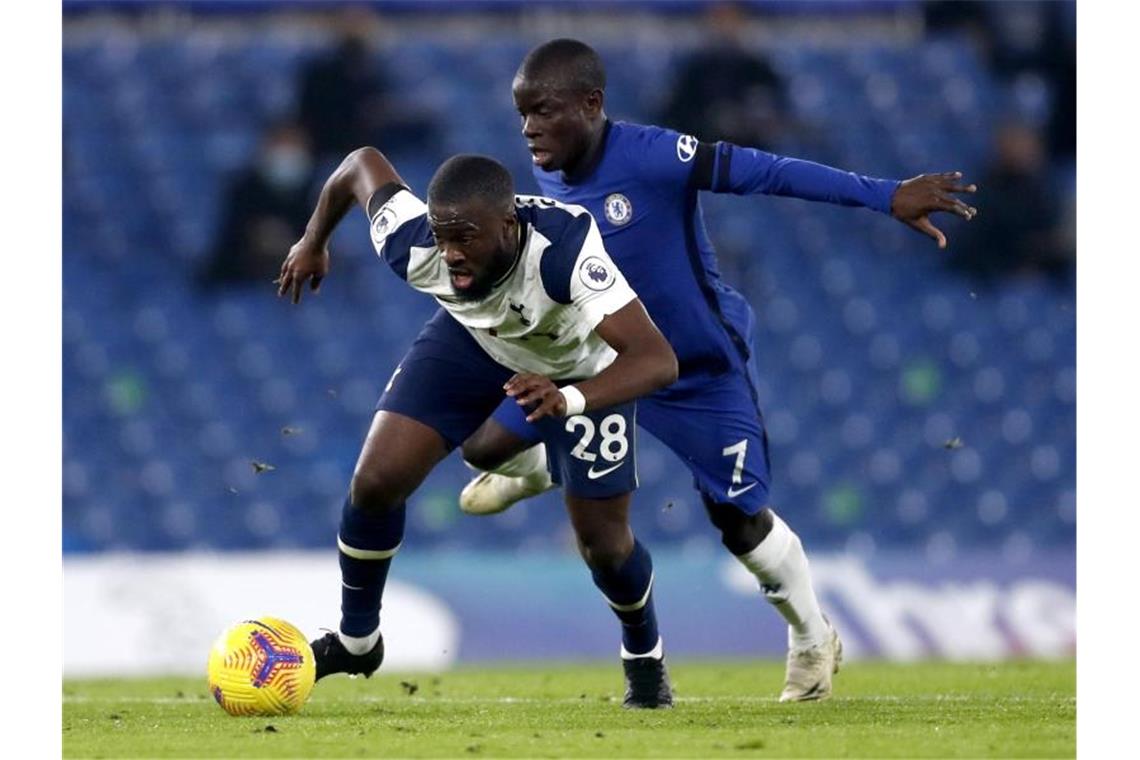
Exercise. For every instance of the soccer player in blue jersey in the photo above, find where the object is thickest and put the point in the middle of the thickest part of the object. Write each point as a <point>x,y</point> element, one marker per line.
<point>642,185</point>
<point>533,310</point>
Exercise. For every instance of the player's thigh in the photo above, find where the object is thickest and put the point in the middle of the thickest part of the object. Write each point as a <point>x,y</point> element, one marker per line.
<point>446,382</point>
<point>593,455</point>
<point>719,433</point>
<point>502,436</point>
<point>397,455</point>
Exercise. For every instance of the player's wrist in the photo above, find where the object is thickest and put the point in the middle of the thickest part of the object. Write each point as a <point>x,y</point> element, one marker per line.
<point>575,400</point>
<point>316,236</point>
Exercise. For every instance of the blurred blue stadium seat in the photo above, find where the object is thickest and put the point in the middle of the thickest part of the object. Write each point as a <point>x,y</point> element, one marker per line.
<point>872,358</point>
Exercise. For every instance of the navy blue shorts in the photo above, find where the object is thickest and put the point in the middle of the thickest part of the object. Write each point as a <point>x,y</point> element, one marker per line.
<point>449,383</point>
<point>715,428</point>
<point>592,455</point>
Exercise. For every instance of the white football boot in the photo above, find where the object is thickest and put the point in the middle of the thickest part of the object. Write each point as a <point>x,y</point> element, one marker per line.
<point>489,493</point>
<point>810,670</point>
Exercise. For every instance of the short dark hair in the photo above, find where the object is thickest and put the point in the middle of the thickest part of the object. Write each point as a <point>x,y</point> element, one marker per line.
<point>466,177</point>
<point>573,64</point>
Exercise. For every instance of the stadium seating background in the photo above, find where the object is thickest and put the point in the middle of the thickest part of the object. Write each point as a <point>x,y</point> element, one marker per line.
<point>872,356</point>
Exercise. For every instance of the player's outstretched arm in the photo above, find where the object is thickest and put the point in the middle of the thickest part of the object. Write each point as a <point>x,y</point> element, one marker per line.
<point>645,362</point>
<point>919,197</point>
<point>728,168</point>
<point>362,173</point>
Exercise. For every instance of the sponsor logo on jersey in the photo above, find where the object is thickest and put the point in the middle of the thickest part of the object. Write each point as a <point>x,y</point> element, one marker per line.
<point>518,309</point>
<point>686,148</point>
<point>618,209</point>
<point>596,274</point>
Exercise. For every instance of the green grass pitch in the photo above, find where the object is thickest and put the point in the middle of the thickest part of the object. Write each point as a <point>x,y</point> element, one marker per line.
<point>724,709</point>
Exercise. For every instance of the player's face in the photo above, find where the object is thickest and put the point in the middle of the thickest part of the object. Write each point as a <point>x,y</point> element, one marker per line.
<point>555,122</point>
<point>478,243</point>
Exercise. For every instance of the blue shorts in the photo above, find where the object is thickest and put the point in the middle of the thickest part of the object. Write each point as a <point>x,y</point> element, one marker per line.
<point>449,383</point>
<point>715,428</point>
<point>590,454</point>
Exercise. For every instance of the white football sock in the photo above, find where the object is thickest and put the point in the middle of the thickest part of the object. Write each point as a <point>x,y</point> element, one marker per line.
<point>781,566</point>
<point>657,652</point>
<point>359,644</point>
<point>530,462</point>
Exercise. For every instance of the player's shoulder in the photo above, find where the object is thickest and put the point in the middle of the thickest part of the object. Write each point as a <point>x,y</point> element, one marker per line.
<point>648,141</point>
<point>566,228</point>
<point>563,224</point>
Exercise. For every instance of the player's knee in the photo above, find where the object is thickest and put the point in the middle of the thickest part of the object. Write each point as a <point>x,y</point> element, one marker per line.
<point>606,550</point>
<point>377,490</point>
<point>480,456</point>
<point>486,449</point>
<point>739,532</point>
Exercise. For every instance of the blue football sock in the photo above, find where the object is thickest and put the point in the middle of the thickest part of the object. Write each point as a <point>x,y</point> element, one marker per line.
<point>629,590</point>
<point>367,543</point>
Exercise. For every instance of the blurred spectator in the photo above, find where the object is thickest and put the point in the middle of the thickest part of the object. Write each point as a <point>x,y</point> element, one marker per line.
<point>346,100</point>
<point>266,208</point>
<point>1021,225</point>
<point>724,91</point>
<point>1032,48</point>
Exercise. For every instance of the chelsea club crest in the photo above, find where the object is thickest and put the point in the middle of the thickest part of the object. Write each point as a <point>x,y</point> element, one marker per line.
<point>618,209</point>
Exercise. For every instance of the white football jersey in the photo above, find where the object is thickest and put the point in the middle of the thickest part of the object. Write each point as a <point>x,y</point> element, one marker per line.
<point>540,317</point>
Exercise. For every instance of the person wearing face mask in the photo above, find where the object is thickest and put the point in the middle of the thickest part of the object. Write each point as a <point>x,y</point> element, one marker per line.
<point>261,208</point>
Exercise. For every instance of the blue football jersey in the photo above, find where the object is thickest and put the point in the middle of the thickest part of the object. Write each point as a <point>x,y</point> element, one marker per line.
<point>643,191</point>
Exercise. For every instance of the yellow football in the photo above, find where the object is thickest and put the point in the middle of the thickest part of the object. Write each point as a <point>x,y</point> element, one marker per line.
<point>261,667</point>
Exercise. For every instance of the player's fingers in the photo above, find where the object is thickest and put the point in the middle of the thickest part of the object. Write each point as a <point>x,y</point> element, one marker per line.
<point>962,209</point>
<point>545,409</point>
<point>956,187</point>
<point>532,393</point>
<point>316,283</point>
<point>517,383</point>
<point>284,283</point>
<point>923,225</point>
<point>298,284</point>
<point>521,386</point>
<point>956,206</point>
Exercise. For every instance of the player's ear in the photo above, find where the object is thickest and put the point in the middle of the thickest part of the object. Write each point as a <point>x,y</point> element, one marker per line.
<point>594,103</point>
<point>510,222</point>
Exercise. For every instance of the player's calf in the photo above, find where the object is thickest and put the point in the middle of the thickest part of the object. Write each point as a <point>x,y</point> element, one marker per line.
<point>739,532</point>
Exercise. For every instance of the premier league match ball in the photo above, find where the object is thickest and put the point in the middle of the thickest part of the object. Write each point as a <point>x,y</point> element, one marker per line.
<point>261,667</point>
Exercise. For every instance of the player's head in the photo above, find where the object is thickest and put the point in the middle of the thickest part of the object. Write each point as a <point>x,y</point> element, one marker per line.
<point>559,91</point>
<point>471,210</point>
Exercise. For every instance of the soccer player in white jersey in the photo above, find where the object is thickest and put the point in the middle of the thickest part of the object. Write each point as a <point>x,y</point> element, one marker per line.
<point>532,309</point>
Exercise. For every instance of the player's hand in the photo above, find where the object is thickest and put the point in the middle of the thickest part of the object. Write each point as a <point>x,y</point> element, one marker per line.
<point>528,388</point>
<point>306,261</point>
<point>917,198</point>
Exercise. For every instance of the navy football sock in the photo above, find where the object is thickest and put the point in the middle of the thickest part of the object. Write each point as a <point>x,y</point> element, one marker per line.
<point>629,590</point>
<point>367,543</point>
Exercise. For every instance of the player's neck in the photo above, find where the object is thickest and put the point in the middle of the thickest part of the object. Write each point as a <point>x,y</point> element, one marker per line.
<point>509,263</point>
<point>585,165</point>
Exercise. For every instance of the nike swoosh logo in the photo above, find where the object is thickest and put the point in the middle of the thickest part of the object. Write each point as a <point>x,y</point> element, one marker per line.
<point>733,493</point>
<point>595,475</point>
